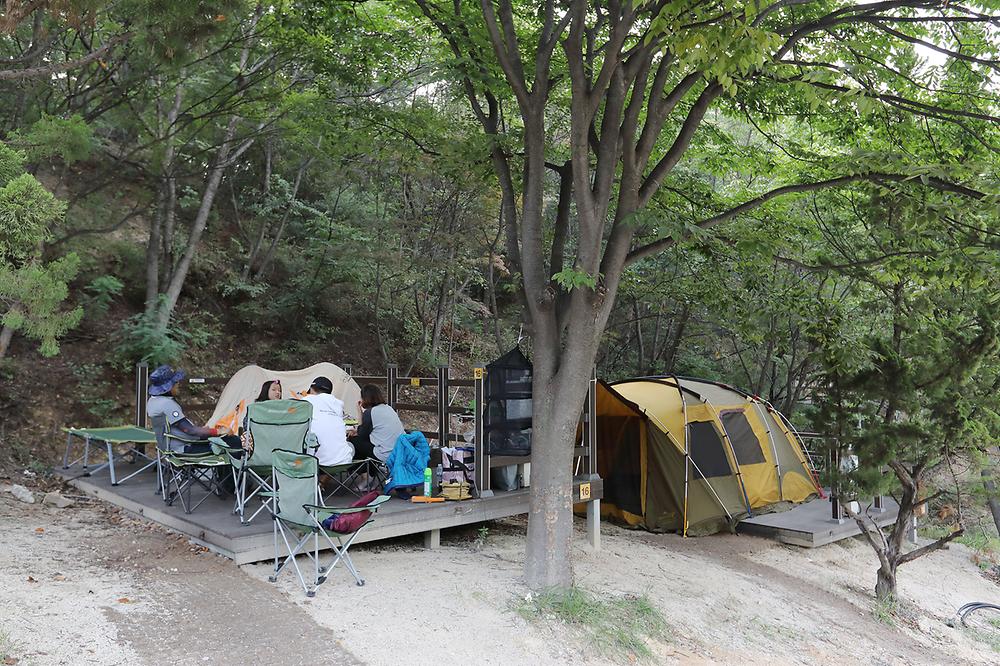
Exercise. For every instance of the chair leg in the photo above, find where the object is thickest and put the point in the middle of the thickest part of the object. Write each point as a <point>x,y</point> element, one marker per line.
<point>292,552</point>
<point>69,443</point>
<point>340,550</point>
<point>111,463</point>
<point>274,575</point>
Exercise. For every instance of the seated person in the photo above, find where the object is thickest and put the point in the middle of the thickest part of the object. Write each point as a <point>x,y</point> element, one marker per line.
<point>164,385</point>
<point>380,426</point>
<point>328,424</point>
<point>236,420</point>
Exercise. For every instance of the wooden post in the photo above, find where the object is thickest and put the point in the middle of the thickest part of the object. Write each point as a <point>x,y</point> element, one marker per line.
<point>392,390</point>
<point>879,501</point>
<point>590,427</point>
<point>444,419</point>
<point>594,523</point>
<point>141,393</point>
<point>836,511</point>
<point>482,456</point>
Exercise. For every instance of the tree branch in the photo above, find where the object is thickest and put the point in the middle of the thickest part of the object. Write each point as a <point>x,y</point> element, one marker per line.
<point>59,67</point>
<point>930,548</point>
<point>707,223</point>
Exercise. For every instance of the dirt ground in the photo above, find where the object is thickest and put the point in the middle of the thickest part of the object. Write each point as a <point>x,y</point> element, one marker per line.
<point>88,585</point>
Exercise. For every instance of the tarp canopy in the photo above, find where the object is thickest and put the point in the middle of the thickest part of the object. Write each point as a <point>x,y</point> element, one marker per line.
<point>693,456</point>
<point>245,386</point>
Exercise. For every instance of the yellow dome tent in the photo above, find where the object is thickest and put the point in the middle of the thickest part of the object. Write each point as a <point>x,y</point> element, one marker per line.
<point>693,456</point>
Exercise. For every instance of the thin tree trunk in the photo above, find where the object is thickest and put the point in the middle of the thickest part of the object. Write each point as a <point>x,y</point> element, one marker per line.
<point>640,349</point>
<point>215,173</point>
<point>269,256</point>
<point>670,359</point>
<point>161,229</point>
<point>992,499</point>
<point>6,335</point>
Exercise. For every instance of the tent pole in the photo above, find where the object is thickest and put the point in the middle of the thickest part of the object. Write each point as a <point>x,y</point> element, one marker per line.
<point>798,439</point>
<point>688,459</point>
<point>774,449</point>
<point>739,472</point>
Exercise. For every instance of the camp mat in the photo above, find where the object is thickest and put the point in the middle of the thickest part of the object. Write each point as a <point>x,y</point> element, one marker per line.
<point>116,434</point>
<point>110,436</point>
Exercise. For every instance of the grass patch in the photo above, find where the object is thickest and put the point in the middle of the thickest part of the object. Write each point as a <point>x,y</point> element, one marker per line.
<point>983,543</point>
<point>886,611</point>
<point>987,637</point>
<point>617,626</point>
<point>8,649</point>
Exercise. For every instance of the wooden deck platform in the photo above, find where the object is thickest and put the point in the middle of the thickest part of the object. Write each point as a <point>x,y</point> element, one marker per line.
<point>214,526</point>
<point>810,524</point>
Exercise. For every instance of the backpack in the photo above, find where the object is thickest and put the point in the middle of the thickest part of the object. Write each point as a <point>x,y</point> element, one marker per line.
<point>348,523</point>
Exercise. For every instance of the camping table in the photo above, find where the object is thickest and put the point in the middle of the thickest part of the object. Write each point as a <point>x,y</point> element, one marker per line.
<point>110,437</point>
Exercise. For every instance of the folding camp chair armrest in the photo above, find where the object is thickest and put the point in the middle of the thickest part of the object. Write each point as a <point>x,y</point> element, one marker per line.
<point>321,513</point>
<point>219,446</point>
<point>326,511</point>
<point>267,493</point>
<point>186,440</point>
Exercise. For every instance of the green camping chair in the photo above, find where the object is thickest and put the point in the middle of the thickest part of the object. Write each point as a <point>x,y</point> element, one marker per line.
<point>344,476</point>
<point>178,472</point>
<point>273,424</point>
<point>298,516</point>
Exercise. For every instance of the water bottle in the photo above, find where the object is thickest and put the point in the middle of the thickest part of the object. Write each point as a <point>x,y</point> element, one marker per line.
<point>427,481</point>
<point>438,477</point>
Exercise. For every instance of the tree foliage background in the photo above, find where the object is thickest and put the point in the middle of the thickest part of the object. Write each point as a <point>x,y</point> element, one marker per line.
<point>797,197</point>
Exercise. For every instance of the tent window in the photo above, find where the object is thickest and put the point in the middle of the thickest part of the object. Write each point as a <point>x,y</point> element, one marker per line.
<point>745,442</point>
<point>706,450</point>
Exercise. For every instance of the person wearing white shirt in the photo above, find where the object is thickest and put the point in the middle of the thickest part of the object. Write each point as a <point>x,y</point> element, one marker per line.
<point>328,424</point>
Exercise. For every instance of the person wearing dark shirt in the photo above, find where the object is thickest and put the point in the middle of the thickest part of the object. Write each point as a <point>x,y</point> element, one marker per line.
<point>380,426</point>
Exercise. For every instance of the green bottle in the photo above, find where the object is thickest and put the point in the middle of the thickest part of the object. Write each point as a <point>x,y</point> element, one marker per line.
<point>428,475</point>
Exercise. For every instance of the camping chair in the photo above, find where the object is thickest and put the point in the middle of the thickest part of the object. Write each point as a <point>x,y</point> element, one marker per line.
<point>179,472</point>
<point>344,476</point>
<point>298,516</point>
<point>273,424</point>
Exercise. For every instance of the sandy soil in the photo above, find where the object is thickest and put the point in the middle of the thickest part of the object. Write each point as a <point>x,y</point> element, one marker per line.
<point>96,587</point>
<point>728,599</point>
<point>91,586</point>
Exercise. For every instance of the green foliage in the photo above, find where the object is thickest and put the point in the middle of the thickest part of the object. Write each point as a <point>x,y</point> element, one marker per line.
<point>33,295</point>
<point>572,278</point>
<point>92,390</point>
<point>618,627</point>
<point>101,292</point>
<point>27,210</point>
<point>142,339</point>
<point>69,139</point>
<point>175,31</point>
<point>11,164</point>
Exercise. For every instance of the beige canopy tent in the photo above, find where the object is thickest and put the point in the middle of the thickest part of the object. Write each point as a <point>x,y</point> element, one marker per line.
<point>245,386</point>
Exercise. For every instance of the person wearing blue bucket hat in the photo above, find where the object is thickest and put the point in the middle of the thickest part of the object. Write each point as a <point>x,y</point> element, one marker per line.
<point>163,386</point>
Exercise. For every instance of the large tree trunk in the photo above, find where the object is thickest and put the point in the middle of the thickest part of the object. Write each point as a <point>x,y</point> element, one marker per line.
<point>557,403</point>
<point>885,583</point>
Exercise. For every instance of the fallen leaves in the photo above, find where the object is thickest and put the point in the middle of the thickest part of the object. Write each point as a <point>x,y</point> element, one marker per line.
<point>124,600</point>
<point>39,530</point>
<point>31,579</point>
